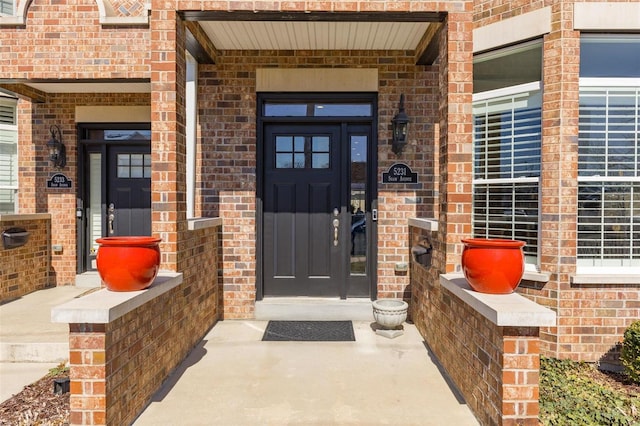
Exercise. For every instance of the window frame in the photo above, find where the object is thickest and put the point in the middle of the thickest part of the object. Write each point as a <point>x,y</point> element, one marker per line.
<point>12,103</point>
<point>532,263</point>
<point>582,267</point>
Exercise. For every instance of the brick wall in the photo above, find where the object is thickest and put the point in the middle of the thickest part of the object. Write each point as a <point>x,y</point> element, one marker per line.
<point>591,318</point>
<point>228,140</point>
<point>496,369</point>
<point>116,368</point>
<point>35,168</point>
<point>64,40</point>
<point>25,269</point>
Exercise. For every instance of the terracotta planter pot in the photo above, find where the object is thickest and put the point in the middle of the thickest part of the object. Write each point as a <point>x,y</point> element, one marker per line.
<point>493,265</point>
<point>128,263</point>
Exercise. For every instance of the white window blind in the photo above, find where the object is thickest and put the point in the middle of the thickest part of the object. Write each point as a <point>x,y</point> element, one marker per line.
<point>8,156</point>
<point>507,140</point>
<point>609,177</point>
<point>6,8</point>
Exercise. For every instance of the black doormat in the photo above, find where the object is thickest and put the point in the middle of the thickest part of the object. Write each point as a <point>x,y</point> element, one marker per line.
<point>309,331</point>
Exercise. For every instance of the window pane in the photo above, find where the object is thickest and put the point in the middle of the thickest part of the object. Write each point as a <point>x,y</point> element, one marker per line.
<point>507,136</point>
<point>299,143</point>
<point>299,161</point>
<point>127,135</point>
<point>613,56</point>
<point>283,161</point>
<point>608,143</point>
<point>358,205</point>
<point>320,161</point>
<point>7,201</point>
<point>609,223</point>
<point>507,147</point>
<point>342,110</point>
<point>320,144</point>
<point>284,144</point>
<point>508,210</point>
<point>507,67</point>
<point>318,109</point>
<point>6,7</point>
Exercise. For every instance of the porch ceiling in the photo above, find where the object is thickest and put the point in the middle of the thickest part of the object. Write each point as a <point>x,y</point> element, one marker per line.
<point>326,35</point>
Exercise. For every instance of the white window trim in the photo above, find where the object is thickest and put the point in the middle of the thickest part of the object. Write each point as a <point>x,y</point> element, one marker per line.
<point>597,274</point>
<point>520,89</point>
<point>608,82</point>
<point>12,127</point>
<point>191,108</point>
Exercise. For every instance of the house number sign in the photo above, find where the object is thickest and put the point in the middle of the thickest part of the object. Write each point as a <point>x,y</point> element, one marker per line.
<point>59,181</point>
<point>399,173</point>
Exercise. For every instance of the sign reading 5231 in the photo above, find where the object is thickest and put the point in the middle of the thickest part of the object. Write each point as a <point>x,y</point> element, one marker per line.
<point>59,181</point>
<point>399,173</point>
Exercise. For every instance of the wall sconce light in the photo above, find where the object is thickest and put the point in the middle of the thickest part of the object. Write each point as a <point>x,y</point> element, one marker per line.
<point>400,128</point>
<point>57,150</point>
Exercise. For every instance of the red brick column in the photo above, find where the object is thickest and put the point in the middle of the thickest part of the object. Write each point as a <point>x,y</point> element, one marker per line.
<point>88,400</point>
<point>168,146</point>
<point>456,160</point>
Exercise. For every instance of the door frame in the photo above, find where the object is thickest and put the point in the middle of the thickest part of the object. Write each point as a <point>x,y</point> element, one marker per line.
<point>372,164</point>
<point>86,146</point>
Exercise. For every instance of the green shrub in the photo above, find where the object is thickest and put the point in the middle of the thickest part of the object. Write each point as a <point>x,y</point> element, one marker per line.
<point>570,396</point>
<point>630,355</point>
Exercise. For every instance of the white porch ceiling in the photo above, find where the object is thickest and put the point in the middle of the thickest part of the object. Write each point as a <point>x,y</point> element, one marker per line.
<point>325,35</point>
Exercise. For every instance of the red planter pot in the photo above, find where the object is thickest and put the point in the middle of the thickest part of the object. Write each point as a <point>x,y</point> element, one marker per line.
<point>493,265</point>
<point>128,263</point>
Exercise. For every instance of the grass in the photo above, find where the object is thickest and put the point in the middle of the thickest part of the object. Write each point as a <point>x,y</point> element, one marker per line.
<point>576,393</point>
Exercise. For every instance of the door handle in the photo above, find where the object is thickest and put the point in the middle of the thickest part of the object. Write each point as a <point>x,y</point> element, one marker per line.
<point>336,226</point>
<point>111,217</point>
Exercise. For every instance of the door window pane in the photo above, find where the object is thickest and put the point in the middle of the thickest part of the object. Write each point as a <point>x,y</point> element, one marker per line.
<point>134,166</point>
<point>302,152</point>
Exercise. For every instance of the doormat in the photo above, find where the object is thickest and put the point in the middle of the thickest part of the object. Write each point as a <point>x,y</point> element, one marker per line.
<point>309,331</point>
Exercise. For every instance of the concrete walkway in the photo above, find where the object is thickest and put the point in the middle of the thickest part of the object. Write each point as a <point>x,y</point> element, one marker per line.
<point>233,378</point>
<point>30,344</point>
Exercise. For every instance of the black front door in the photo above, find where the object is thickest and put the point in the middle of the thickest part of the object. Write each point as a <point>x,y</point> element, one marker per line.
<point>115,196</point>
<point>317,227</point>
<point>302,210</point>
<point>129,191</point>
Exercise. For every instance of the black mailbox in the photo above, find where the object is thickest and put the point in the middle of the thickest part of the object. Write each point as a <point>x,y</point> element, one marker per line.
<point>14,237</point>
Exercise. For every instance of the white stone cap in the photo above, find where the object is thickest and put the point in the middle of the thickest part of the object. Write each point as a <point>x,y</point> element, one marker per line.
<point>426,224</point>
<point>104,306</point>
<point>203,222</point>
<point>28,216</point>
<point>505,310</point>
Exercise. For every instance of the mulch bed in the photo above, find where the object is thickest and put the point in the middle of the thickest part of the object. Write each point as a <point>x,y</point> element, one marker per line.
<point>37,405</point>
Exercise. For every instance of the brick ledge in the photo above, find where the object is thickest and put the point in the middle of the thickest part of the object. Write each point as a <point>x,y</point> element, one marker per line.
<point>104,306</point>
<point>504,310</point>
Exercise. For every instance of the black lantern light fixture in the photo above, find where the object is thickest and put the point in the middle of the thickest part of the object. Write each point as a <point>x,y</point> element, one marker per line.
<point>400,128</point>
<point>57,150</point>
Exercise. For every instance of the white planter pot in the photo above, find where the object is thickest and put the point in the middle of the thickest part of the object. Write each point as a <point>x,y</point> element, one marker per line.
<point>390,313</point>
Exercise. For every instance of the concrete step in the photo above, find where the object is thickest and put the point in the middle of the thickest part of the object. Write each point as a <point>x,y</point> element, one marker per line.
<point>313,309</point>
<point>34,352</point>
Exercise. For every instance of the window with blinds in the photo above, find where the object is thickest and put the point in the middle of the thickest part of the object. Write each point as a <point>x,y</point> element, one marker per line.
<point>609,176</point>
<point>6,8</point>
<point>8,156</point>
<point>507,135</point>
